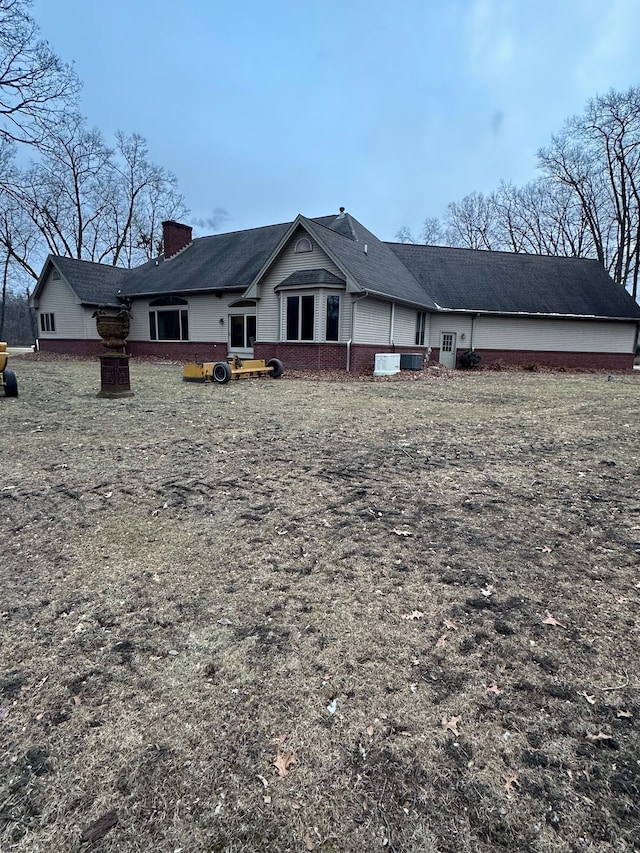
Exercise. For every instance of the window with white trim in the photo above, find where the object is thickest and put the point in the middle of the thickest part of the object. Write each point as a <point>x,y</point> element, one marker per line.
<point>242,330</point>
<point>421,324</point>
<point>332,326</point>
<point>47,322</point>
<point>168,320</point>
<point>303,245</point>
<point>300,319</point>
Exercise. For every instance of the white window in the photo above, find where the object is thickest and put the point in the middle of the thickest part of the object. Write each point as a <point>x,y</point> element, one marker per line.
<point>242,330</point>
<point>421,323</point>
<point>300,317</point>
<point>332,326</point>
<point>168,321</point>
<point>47,322</point>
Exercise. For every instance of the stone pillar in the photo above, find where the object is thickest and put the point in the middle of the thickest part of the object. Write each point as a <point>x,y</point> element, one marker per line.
<point>114,376</point>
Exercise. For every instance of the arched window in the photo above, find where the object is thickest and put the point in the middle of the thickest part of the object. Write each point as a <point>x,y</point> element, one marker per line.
<point>163,301</point>
<point>303,245</point>
<point>168,319</point>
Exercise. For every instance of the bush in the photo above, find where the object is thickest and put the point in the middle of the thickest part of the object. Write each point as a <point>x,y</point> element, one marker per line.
<point>470,359</point>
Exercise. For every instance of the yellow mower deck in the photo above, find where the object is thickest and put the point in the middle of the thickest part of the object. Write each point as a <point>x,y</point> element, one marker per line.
<point>233,368</point>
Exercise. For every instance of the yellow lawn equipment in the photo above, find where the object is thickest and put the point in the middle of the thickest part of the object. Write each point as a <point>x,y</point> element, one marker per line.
<point>234,368</point>
<point>7,377</point>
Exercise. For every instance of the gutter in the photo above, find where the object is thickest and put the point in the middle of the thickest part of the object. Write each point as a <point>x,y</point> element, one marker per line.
<point>355,299</point>
<point>482,312</point>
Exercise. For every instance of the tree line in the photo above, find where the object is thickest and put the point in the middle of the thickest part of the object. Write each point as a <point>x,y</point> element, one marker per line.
<point>64,188</point>
<point>585,202</point>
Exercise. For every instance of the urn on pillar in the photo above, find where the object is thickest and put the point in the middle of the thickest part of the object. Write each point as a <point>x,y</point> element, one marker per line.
<point>112,324</point>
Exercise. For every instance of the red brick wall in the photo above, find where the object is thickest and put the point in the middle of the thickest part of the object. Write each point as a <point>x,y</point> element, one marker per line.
<point>310,356</point>
<point>334,356</point>
<point>176,351</point>
<point>179,350</point>
<point>548,358</point>
<point>175,237</point>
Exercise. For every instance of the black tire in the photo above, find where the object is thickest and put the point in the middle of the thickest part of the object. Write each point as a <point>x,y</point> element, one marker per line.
<point>221,372</point>
<point>278,368</point>
<point>10,384</point>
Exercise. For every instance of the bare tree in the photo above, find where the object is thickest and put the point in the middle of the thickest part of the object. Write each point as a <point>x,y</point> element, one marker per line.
<point>404,235</point>
<point>35,86</point>
<point>597,157</point>
<point>470,223</point>
<point>89,201</point>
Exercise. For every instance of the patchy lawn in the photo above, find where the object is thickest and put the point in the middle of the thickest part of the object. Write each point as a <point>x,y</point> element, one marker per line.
<point>296,615</point>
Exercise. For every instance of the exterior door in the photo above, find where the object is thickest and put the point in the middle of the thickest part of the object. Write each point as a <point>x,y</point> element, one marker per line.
<point>448,349</point>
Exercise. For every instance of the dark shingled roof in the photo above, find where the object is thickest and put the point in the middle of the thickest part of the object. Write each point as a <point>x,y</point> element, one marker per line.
<point>377,270</point>
<point>221,262</point>
<point>311,278</point>
<point>502,282</point>
<point>93,284</point>
<point>429,277</point>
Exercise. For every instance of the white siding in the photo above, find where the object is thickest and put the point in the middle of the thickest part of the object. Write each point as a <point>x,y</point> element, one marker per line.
<point>72,320</point>
<point>515,333</point>
<point>269,311</point>
<point>205,313</point>
<point>404,326</point>
<point>372,322</point>
<point>458,323</point>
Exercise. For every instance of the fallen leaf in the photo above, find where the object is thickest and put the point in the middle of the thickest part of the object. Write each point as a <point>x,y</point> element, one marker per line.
<point>4,713</point>
<point>442,642</point>
<point>77,700</point>
<point>308,842</point>
<point>488,591</point>
<point>416,614</point>
<point>451,725</point>
<point>369,730</point>
<point>451,625</point>
<point>545,549</point>
<point>399,532</point>
<point>283,762</point>
<point>266,799</point>
<point>590,699</point>
<point>596,736</point>
<point>508,785</point>
<point>494,689</point>
<point>551,620</point>
<point>622,713</point>
<point>332,707</point>
<point>96,830</point>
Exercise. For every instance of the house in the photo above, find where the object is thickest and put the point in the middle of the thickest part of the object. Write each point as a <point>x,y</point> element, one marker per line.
<point>327,293</point>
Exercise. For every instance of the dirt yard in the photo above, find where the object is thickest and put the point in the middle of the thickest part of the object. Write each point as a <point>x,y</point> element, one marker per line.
<point>296,615</point>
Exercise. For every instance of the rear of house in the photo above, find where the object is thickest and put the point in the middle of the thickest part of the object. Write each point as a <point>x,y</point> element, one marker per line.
<point>326,293</point>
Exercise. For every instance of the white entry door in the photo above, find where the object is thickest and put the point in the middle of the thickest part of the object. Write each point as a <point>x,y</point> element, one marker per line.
<point>448,349</point>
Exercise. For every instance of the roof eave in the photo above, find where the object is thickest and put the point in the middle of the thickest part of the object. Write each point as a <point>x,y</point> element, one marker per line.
<point>535,314</point>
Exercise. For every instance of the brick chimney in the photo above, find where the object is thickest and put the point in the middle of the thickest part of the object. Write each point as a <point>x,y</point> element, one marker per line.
<point>174,237</point>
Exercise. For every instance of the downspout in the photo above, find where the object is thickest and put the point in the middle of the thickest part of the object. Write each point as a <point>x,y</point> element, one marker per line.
<point>474,317</point>
<point>355,299</point>
<point>392,320</point>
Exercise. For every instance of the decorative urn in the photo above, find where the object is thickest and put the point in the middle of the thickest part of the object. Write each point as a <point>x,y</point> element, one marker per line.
<point>113,326</point>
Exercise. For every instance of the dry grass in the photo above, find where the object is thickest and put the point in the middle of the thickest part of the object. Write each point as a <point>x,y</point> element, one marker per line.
<point>194,576</point>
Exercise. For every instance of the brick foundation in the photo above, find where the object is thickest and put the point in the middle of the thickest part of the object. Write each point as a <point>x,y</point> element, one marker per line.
<point>325,356</point>
<point>547,358</point>
<point>176,350</point>
<point>311,356</point>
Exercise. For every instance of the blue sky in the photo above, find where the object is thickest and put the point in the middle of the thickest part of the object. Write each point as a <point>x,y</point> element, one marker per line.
<point>390,108</point>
